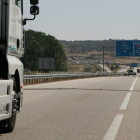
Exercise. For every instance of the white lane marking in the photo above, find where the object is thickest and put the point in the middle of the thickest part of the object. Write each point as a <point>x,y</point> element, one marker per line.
<point>125,102</point>
<point>132,87</point>
<point>112,131</point>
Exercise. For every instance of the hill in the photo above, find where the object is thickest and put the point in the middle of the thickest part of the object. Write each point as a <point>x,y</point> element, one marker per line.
<point>87,46</point>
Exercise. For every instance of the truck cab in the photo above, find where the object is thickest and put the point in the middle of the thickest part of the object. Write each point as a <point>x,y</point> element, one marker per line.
<point>11,68</point>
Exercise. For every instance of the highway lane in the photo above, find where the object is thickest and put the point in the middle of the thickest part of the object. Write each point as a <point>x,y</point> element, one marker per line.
<point>130,126</point>
<point>83,109</point>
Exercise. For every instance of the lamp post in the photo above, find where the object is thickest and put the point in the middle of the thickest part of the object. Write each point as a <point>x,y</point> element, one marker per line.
<point>103,59</point>
<point>104,56</point>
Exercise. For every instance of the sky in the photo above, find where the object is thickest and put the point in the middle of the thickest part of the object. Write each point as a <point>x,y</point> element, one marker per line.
<point>86,19</point>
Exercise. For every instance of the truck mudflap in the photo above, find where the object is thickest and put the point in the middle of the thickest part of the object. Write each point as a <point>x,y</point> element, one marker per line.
<point>6,89</point>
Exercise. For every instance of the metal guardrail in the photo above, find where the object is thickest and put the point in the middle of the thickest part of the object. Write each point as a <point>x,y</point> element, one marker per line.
<point>69,75</point>
<point>36,79</point>
<point>55,75</point>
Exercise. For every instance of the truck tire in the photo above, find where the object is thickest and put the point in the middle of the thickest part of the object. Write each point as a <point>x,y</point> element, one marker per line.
<point>11,121</point>
<point>7,126</point>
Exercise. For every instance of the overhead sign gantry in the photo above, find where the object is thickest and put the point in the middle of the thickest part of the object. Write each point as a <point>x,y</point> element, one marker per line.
<point>128,48</point>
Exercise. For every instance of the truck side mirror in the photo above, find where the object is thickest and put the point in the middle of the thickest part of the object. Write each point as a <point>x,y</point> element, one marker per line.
<point>34,2</point>
<point>34,10</point>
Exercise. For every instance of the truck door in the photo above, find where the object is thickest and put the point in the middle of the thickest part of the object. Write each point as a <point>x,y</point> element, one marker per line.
<point>20,26</point>
<point>16,28</point>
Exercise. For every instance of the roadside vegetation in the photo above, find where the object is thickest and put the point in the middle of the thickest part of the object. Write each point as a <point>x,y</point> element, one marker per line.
<point>40,45</point>
<point>84,46</point>
<point>92,68</point>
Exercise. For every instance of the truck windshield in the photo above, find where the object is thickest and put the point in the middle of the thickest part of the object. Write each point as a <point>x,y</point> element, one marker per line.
<point>19,3</point>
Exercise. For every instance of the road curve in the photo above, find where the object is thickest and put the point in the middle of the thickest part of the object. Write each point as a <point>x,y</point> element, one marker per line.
<point>105,68</point>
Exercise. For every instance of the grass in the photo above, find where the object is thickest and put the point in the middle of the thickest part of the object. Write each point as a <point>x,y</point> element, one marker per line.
<point>81,68</point>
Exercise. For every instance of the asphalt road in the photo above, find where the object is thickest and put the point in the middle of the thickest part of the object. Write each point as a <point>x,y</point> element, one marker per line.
<point>86,109</point>
<point>105,67</point>
<point>123,69</point>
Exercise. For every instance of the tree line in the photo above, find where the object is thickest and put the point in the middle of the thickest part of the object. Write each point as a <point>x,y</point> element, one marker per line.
<point>88,45</point>
<point>40,45</point>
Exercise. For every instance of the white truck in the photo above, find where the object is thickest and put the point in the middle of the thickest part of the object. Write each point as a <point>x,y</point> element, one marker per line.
<point>11,68</point>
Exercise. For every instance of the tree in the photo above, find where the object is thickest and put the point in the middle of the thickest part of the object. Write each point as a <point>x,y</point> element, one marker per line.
<point>40,45</point>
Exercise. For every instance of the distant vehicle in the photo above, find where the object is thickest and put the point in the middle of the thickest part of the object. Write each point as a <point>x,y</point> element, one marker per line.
<point>130,72</point>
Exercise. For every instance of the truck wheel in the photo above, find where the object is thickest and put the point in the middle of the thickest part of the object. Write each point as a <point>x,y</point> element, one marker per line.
<point>11,121</point>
